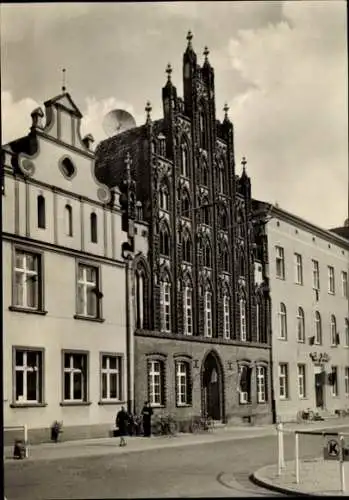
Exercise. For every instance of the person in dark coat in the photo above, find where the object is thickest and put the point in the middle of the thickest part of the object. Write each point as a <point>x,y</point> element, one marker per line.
<point>146,414</point>
<point>122,423</point>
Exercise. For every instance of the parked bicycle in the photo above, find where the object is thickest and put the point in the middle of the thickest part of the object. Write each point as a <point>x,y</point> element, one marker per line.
<point>202,423</point>
<point>165,425</point>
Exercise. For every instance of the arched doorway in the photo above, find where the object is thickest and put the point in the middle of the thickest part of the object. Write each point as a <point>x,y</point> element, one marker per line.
<point>212,387</point>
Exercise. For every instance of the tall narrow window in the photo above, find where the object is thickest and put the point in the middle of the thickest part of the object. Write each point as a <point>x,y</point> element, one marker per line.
<point>261,384</point>
<point>202,125</point>
<point>207,254</point>
<point>185,204</point>
<point>186,248</point>
<point>243,332</point>
<point>27,280</point>
<point>205,212</point>
<point>188,310</point>
<point>346,332</point>
<point>88,293</point>
<point>164,198</point>
<point>204,179</point>
<point>282,322</point>
<point>301,381</point>
<point>182,383</point>
<point>331,286</point>
<point>334,381</point>
<point>333,328</point>
<point>344,284</point>
<point>184,160</point>
<point>164,241</point>
<point>68,220</point>
<point>221,177</point>
<point>140,299</point>
<point>346,380</point>
<point>165,305</point>
<point>225,259</point>
<point>258,313</point>
<point>318,328</point>
<point>226,313</point>
<point>208,314</point>
<point>244,386</point>
<point>280,263</point>
<point>300,325</point>
<point>298,269</point>
<point>93,223</point>
<point>316,275</point>
<point>111,378</point>
<point>75,377</point>
<point>283,381</point>
<point>28,376</point>
<point>41,212</point>
<point>156,387</point>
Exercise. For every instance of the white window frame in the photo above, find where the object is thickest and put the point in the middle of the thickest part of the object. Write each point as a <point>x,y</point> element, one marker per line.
<point>346,380</point>
<point>140,288</point>
<point>316,274</point>
<point>243,395</point>
<point>318,328</point>
<point>208,313</point>
<point>86,291</point>
<point>346,332</point>
<point>280,262</point>
<point>26,276</point>
<point>298,263</point>
<point>300,325</point>
<point>226,316</point>
<point>331,280</point>
<point>110,373</point>
<point>283,381</point>
<point>282,322</point>
<point>301,377</point>
<point>243,328</point>
<point>344,277</point>
<point>182,380</point>
<point>261,376</point>
<point>165,305</point>
<point>71,371</point>
<point>188,310</point>
<point>333,330</point>
<point>25,369</point>
<point>155,378</point>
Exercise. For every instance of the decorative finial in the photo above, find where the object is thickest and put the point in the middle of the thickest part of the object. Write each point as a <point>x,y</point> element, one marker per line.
<point>189,38</point>
<point>206,53</point>
<point>243,163</point>
<point>148,109</point>
<point>169,71</point>
<point>226,109</point>
<point>63,80</point>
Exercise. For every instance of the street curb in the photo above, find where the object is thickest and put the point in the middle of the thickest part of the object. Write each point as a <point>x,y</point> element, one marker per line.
<point>258,479</point>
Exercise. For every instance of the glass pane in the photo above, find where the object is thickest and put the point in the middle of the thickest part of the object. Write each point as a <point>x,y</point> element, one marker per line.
<point>32,358</point>
<point>104,361</point>
<point>113,362</point>
<point>19,385</point>
<point>19,260</point>
<point>78,361</point>
<point>80,272</point>
<point>32,291</point>
<point>19,358</point>
<point>66,360</point>
<point>81,299</point>
<point>91,303</point>
<point>19,288</point>
<point>31,261</point>
<point>31,385</point>
<point>104,386</point>
<point>77,386</point>
<point>91,274</point>
<point>113,386</point>
<point>67,386</point>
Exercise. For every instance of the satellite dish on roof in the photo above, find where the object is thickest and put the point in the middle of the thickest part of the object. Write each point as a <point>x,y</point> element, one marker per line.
<point>117,121</point>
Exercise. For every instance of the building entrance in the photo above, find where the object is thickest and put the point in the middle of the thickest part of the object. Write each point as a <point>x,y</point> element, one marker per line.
<point>212,387</point>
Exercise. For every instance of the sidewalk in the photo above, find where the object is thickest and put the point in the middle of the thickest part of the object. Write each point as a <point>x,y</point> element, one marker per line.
<point>105,446</point>
<point>316,475</point>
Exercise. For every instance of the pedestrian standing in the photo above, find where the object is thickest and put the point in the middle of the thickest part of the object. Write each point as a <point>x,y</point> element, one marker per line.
<point>146,414</point>
<point>121,423</point>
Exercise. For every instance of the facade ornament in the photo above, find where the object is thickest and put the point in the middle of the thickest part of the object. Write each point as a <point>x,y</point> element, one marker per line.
<point>319,357</point>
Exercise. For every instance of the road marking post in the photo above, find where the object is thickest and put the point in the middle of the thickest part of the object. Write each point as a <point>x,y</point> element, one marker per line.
<point>341,464</point>
<point>296,452</point>
<point>281,459</point>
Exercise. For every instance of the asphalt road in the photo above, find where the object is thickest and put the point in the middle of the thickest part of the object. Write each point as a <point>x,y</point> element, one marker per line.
<point>206,470</point>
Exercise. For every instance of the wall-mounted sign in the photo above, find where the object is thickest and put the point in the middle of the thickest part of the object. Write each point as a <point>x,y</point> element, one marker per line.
<point>319,357</point>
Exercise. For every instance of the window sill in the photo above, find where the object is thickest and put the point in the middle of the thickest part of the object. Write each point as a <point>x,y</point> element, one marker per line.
<point>262,402</point>
<point>27,310</point>
<point>283,399</point>
<point>111,402</point>
<point>283,338</point>
<point>88,318</point>
<point>75,403</point>
<point>183,405</point>
<point>157,406</point>
<point>300,341</point>
<point>28,405</point>
<point>299,284</point>
<point>282,278</point>
<point>331,293</point>
<point>334,345</point>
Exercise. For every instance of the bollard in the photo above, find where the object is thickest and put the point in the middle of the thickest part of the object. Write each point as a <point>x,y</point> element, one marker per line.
<point>296,452</point>
<point>341,464</point>
<point>281,461</point>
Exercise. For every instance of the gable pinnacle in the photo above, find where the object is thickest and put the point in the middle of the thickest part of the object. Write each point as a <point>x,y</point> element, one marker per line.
<point>206,53</point>
<point>226,109</point>
<point>63,80</point>
<point>148,109</point>
<point>189,38</point>
<point>243,163</point>
<point>169,71</point>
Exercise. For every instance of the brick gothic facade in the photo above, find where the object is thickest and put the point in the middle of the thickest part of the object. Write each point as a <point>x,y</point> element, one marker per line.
<point>202,338</point>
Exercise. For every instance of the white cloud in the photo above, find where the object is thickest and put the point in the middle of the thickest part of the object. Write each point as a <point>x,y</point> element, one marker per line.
<point>16,119</point>
<point>292,123</point>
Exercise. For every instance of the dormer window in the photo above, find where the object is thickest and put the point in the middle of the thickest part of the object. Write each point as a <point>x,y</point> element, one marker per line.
<point>41,212</point>
<point>162,145</point>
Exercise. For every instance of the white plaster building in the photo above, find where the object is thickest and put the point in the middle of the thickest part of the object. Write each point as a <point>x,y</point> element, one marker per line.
<point>64,299</point>
<point>308,277</point>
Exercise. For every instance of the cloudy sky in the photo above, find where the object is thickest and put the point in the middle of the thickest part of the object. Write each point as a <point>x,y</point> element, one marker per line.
<point>280,66</point>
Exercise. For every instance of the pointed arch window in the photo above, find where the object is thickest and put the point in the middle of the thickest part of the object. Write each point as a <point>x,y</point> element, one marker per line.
<point>162,145</point>
<point>224,219</point>
<point>207,253</point>
<point>141,298</point>
<point>93,227</point>
<point>41,209</point>
<point>243,329</point>
<point>188,309</point>
<point>164,197</point>
<point>221,176</point>
<point>164,241</point>
<point>184,159</point>
<point>333,328</point>
<point>226,315</point>
<point>225,259</point>
<point>185,204</point>
<point>205,212</point>
<point>68,216</point>
<point>204,172</point>
<point>242,265</point>
<point>165,304</point>
<point>208,312</point>
<point>282,322</point>
<point>203,130</point>
<point>186,247</point>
